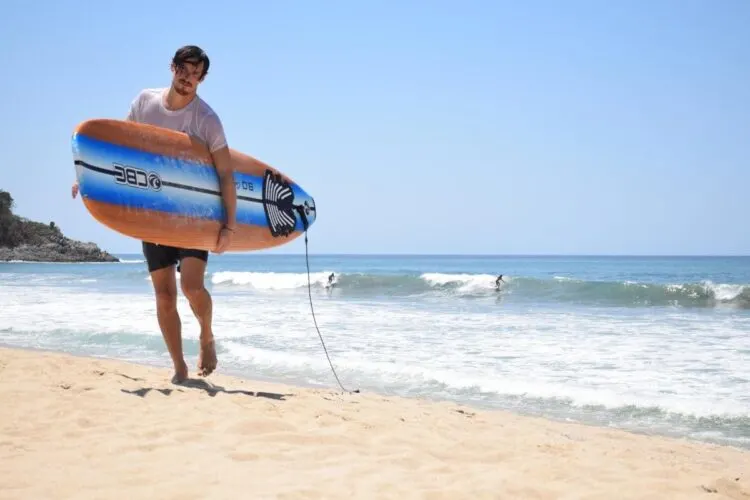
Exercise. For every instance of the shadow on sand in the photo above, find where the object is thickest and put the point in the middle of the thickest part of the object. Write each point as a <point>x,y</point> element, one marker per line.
<point>211,390</point>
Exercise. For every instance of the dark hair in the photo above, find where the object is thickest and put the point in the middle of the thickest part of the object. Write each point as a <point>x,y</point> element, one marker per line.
<point>192,54</point>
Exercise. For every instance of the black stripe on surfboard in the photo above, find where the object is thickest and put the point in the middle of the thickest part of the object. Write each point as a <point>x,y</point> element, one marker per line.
<point>173,184</point>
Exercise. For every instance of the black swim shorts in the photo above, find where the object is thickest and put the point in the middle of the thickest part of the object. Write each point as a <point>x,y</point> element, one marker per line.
<point>161,256</point>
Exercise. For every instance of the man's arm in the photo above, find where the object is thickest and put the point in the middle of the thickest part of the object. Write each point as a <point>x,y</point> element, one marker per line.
<point>217,145</point>
<point>223,164</point>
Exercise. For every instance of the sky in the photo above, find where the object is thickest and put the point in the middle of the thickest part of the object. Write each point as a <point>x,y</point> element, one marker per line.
<point>419,127</point>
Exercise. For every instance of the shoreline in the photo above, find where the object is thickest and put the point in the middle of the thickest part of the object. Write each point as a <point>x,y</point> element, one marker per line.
<point>352,390</point>
<point>118,261</point>
<point>102,427</point>
<point>221,371</point>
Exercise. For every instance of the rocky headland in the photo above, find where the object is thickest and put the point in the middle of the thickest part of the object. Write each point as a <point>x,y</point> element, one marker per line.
<point>26,240</point>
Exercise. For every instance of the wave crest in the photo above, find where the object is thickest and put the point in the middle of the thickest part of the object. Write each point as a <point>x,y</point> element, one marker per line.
<point>556,289</point>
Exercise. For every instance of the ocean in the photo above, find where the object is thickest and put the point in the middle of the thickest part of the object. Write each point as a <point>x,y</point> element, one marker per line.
<point>648,344</point>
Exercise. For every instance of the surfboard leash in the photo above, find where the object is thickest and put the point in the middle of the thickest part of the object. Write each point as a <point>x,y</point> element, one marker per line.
<point>301,211</point>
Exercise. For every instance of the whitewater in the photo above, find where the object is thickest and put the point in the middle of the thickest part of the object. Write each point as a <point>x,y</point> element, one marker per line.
<point>651,344</point>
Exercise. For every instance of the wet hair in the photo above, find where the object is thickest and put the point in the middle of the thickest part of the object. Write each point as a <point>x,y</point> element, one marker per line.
<point>191,54</point>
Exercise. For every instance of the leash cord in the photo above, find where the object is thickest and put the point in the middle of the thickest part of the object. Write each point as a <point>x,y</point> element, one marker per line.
<point>312,310</point>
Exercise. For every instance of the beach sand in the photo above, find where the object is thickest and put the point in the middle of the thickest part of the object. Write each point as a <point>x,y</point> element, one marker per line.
<point>74,427</point>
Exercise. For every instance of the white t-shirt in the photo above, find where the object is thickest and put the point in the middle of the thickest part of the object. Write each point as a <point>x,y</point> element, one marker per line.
<point>197,119</point>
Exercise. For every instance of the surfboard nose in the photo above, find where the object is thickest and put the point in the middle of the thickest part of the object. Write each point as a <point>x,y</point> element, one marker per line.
<point>310,210</point>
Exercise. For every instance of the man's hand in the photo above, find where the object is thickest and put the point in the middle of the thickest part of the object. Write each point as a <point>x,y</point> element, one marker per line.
<point>225,238</point>
<point>74,190</point>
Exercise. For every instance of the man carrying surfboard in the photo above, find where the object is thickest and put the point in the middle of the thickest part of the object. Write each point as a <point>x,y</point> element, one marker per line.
<point>179,107</point>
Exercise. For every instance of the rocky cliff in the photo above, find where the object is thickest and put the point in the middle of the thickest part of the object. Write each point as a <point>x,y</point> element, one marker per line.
<point>26,240</point>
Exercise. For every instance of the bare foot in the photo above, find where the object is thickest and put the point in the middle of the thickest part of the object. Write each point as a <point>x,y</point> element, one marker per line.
<point>207,358</point>
<point>180,373</point>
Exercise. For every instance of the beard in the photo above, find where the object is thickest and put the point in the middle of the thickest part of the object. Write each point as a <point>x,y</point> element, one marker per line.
<point>182,88</point>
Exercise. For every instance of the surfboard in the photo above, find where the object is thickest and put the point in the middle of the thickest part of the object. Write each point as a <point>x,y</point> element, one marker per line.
<point>160,186</point>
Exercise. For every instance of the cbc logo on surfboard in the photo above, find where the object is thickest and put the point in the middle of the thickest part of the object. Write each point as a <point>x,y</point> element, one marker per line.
<point>136,177</point>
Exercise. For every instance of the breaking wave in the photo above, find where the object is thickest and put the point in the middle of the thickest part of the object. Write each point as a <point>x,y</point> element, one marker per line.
<point>557,289</point>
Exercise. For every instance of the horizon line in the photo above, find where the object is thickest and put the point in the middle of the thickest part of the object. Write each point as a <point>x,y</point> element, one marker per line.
<point>397,254</point>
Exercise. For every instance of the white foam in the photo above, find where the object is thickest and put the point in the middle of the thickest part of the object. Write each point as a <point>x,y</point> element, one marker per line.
<point>467,283</point>
<point>725,292</point>
<point>269,280</point>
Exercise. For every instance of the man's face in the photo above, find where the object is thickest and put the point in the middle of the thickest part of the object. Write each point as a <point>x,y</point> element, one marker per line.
<point>187,77</point>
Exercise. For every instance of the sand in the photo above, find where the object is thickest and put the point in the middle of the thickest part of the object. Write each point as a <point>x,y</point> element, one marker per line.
<point>74,427</point>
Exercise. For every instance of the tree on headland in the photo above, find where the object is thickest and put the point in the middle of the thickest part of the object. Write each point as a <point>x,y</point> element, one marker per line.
<point>6,203</point>
<point>7,221</point>
<point>15,230</point>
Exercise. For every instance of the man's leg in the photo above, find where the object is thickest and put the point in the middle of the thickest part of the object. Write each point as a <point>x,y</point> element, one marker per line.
<point>162,271</point>
<point>192,270</point>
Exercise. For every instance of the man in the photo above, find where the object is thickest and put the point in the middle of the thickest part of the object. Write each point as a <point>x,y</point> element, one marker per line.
<point>180,108</point>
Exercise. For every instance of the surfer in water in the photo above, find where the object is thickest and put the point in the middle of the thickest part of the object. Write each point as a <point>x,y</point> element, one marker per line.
<point>178,107</point>
<point>497,282</point>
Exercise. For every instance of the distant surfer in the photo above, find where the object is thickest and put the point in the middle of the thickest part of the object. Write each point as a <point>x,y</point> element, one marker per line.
<point>497,282</point>
<point>330,281</point>
<point>179,108</point>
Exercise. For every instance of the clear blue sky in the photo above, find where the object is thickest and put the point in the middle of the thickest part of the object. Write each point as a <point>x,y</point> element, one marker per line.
<point>420,126</point>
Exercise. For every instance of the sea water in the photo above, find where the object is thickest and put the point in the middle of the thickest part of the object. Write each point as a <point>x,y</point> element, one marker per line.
<point>650,344</point>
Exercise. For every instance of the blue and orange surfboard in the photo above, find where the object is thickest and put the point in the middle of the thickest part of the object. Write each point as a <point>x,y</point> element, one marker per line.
<point>160,185</point>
